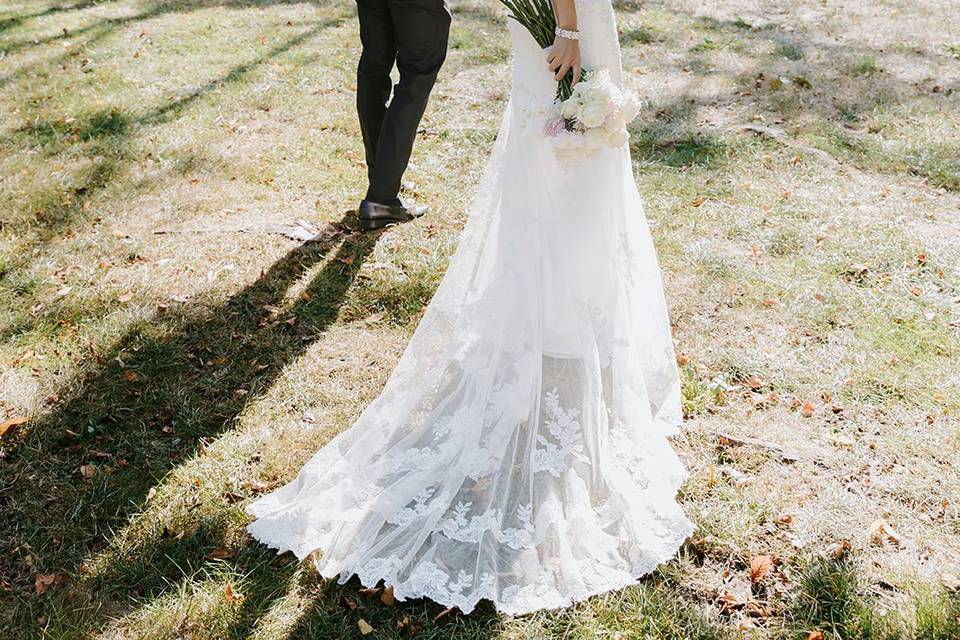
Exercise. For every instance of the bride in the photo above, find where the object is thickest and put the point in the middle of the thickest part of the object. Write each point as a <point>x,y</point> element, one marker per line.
<point>519,452</point>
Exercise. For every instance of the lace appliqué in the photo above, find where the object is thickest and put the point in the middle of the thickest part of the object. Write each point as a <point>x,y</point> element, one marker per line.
<point>420,506</point>
<point>564,426</point>
<point>463,529</point>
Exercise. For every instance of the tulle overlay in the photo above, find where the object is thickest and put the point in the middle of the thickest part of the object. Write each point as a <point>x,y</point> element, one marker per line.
<point>519,451</point>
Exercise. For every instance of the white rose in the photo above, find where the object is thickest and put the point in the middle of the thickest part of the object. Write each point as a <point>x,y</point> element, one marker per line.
<point>570,108</point>
<point>630,106</point>
<point>593,115</point>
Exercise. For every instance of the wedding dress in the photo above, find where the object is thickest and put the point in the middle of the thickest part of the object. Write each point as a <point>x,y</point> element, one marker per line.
<point>519,451</point>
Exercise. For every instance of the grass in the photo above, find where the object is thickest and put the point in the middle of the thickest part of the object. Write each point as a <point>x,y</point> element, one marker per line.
<point>174,354</point>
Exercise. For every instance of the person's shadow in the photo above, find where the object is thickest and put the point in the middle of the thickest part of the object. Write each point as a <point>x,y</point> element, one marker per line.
<point>152,401</point>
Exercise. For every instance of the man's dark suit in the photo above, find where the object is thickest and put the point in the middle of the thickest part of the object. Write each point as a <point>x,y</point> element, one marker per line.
<point>413,34</point>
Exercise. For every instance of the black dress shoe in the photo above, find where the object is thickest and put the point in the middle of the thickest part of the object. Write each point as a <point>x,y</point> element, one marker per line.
<point>374,215</point>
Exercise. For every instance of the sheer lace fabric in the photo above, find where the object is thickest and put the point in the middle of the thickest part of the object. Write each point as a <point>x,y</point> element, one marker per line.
<point>519,451</point>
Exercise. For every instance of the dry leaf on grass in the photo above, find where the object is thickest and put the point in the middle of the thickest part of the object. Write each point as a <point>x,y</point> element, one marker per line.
<point>88,471</point>
<point>233,596</point>
<point>881,531</point>
<point>815,635</point>
<point>756,609</point>
<point>43,581</point>
<point>7,425</point>
<point>220,553</point>
<point>728,602</point>
<point>364,626</point>
<point>839,549</point>
<point>406,623</point>
<point>807,410</point>
<point>760,566</point>
<point>386,597</point>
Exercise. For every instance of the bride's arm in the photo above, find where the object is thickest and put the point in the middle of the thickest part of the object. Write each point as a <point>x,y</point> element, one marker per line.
<point>564,55</point>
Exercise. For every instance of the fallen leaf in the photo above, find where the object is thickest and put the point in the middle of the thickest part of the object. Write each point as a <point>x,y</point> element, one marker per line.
<point>754,382</point>
<point>806,410</point>
<point>407,624</point>
<point>220,553</point>
<point>88,471</point>
<point>881,531</point>
<point>7,425</point>
<point>839,549</point>
<point>131,376</point>
<point>728,602</point>
<point>387,597</point>
<point>756,609</point>
<point>364,626</point>
<point>233,596</point>
<point>348,603</point>
<point>760,566</point>
<point>815,635</point>
<point>43,581</point>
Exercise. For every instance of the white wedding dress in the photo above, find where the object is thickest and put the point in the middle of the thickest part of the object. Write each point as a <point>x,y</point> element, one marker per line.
<point>519,451</point>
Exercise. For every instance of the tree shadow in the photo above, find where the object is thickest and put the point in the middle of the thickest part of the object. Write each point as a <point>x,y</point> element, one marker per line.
<point>797,84</point>
<point>162,389</point>
<point>106,136</point>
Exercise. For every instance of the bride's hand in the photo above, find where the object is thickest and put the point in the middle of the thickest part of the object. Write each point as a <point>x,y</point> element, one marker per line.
<point>564,57</point>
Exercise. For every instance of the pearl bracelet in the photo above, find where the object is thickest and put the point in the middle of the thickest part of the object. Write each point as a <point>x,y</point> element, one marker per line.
<point>567,33</point>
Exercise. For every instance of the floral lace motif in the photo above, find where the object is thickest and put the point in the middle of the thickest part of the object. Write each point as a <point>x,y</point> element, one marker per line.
<point>564,426</point>
<point>421,505</point>
<point>471,529</point>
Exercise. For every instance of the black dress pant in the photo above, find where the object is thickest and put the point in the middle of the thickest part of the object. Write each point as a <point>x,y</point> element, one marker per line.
<point>413,34</point>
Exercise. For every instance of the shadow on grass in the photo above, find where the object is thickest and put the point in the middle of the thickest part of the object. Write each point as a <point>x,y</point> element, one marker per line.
<point>667,136</point>
<point>790,76</point>
<point>833,599</point>
<point>105,136</point>
<point>165,387</point>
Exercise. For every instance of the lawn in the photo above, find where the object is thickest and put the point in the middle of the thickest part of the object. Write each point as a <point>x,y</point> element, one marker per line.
<point>171,347</point>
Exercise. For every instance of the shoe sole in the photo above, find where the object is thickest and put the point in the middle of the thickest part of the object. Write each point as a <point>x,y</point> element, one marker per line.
<point>377,224</point>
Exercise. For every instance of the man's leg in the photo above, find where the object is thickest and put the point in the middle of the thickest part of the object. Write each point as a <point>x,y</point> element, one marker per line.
<point>373,72</point>
<point>422,28</point>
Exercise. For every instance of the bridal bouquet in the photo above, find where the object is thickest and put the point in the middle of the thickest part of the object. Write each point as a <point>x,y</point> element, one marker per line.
<point>595,115</point>
<point>587,116</point>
